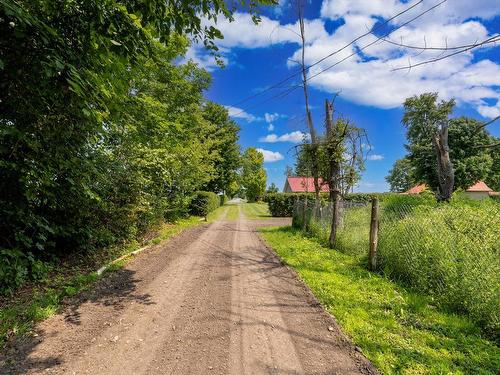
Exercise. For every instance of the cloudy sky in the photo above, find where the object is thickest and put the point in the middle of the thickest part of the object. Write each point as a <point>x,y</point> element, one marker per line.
<point>365,73</point>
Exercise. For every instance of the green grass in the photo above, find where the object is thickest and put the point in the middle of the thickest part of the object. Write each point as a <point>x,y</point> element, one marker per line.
<point>37,302</point>
<point>401,332</point>
<point>227,212</point>
<point>256,210</point>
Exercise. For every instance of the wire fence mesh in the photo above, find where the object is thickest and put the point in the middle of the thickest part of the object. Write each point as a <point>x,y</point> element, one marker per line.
<point>450,251</point>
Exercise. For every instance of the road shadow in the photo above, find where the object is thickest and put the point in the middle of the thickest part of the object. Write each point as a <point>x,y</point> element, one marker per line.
<point>114,291</point>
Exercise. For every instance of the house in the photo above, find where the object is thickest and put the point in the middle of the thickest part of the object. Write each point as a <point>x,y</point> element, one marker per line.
<point>477,191</point>
<point>299,184</point>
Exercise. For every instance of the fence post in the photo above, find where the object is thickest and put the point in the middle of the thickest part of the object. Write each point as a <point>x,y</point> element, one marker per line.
<point>372,255</point>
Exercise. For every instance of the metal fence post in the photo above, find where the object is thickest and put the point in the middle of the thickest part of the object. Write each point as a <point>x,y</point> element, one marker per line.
<point>372,255</point>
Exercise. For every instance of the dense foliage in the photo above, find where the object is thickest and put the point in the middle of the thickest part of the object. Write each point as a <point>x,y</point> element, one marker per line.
<point>253,175</point>
<point>282,204</point>
<point>101,134</point>
<point>471,160</point>
<point>203,203</point>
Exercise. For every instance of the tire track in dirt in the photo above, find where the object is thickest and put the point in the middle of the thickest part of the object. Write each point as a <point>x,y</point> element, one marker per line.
<point>213,300</point>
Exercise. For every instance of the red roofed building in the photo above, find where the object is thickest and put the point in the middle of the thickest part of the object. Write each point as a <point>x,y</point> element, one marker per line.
<point>303,185</point>
<point>477,191</point>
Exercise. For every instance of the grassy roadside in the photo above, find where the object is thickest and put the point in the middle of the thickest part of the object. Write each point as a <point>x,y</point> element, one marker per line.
<point>256,210</point>
<point>401,332</point>
<point>37,302</point>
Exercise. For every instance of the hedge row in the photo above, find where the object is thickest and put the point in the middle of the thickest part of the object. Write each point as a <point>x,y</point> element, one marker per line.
<point>281,204</point>
<point>204,202</point>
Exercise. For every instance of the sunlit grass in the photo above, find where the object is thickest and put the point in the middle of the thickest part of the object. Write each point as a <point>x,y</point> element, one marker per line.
<point>256,210</point>
<point>401,332</point>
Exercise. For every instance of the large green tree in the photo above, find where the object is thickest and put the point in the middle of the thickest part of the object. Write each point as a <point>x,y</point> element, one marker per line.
<point>225,146</point>
<point>253,175</point>
<point>424,117</point>
<point>401,176</point>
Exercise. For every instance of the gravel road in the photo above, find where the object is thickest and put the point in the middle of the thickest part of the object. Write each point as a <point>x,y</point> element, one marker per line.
<point>213,300</point>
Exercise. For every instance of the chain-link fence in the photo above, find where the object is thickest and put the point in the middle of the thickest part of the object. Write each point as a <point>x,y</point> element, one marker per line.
<point>450,251</point>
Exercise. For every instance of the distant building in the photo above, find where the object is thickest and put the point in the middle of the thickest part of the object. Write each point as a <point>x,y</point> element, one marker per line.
<point>303,185</point>
<point>477,191</point>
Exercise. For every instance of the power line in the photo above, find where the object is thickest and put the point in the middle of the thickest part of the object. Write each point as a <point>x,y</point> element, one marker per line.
<point>410,66</point>
<point>379,26</point>
<point>496,38</point>
<point>376,40</point>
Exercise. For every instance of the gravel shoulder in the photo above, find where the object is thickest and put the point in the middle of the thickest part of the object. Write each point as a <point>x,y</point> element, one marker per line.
<point>214,299</point>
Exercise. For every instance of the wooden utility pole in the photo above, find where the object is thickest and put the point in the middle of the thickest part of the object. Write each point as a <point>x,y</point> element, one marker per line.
<point>310,125</point>
<point>334,172</point>
<point>374,224</point>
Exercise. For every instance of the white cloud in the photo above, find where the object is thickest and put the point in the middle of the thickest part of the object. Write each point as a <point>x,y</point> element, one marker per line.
<point>270,156</point>
<point>375,157</point>
<point>489,111</point>
<point>270,117</point>
<point>367,77</point>
<point>236,112</point>
<point>294,137</point>
<point>270,127</point>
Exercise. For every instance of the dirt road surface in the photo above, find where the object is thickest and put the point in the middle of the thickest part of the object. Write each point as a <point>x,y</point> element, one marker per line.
<point>213,300</point>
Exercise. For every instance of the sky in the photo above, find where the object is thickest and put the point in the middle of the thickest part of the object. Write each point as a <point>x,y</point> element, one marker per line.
<point>371,91</point>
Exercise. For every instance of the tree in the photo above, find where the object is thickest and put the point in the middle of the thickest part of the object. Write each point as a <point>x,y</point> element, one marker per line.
<point>400,177</point>
<point>225,148</point>
<point>465,137</point>
<point>253,175</point>
<point>471,163</point>
<point>427,124</point>
<point>288,171</point>
<point>272,188</point>
<point>101,135</point>
<point>343,154</point>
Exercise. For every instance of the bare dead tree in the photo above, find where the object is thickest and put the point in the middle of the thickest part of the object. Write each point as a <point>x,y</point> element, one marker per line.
<point>343,146</point>
<point>445,171</point>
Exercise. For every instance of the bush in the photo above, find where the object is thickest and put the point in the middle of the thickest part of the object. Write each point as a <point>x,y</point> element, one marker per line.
<point>203,203</point>
<point>281,204</point>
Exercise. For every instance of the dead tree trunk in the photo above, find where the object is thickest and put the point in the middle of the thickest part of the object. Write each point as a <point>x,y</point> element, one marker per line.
<point>446,175</point>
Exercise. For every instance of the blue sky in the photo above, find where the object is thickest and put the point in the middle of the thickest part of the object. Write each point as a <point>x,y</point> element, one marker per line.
<point>259,56</point>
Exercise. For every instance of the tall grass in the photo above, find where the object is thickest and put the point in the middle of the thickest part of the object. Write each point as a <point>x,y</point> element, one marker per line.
<point>449,251</point>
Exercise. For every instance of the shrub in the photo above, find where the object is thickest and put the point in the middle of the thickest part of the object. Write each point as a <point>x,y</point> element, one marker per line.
<point>203,203</point>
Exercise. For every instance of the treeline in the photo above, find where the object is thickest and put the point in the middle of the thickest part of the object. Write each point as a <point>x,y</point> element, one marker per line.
<point>102,133</point>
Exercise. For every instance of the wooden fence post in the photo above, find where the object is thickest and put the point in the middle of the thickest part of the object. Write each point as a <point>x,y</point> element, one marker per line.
<point>372,255</point>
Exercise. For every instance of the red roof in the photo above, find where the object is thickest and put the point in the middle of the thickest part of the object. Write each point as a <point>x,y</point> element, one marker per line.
<point>477,187</point>
<point>305,184</point>
<point>417,189</point>
<point>480,186</point>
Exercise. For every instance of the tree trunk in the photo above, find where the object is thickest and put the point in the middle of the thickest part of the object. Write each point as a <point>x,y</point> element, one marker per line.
<point>446,175</point>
